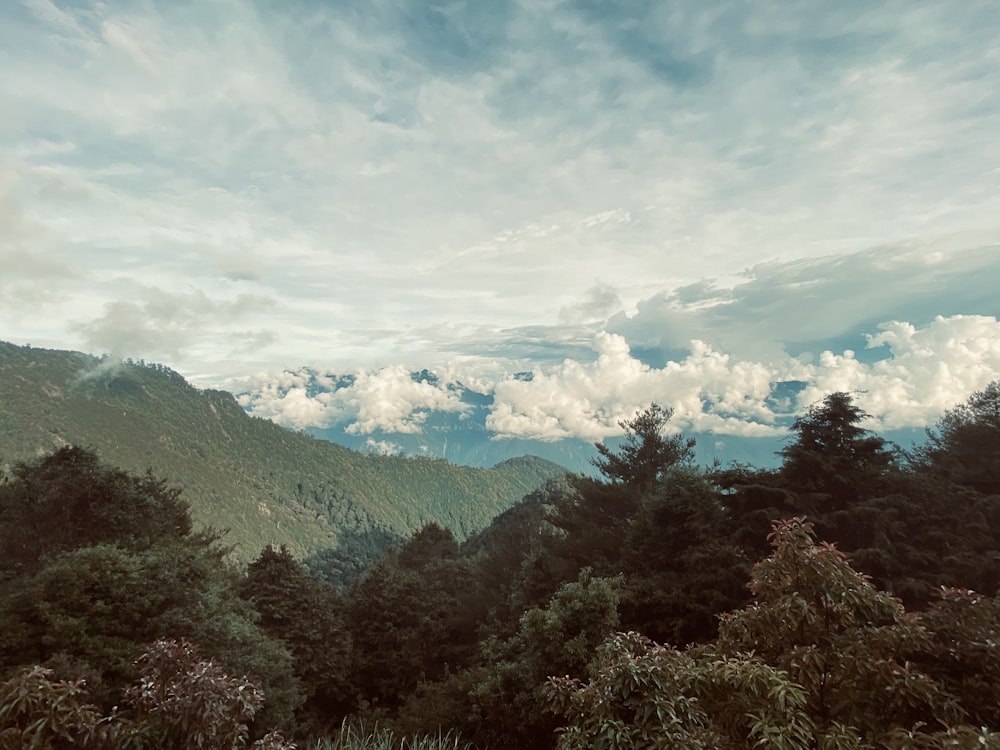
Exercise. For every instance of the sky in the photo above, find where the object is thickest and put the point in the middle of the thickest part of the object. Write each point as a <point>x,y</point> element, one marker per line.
<point>681,202</point>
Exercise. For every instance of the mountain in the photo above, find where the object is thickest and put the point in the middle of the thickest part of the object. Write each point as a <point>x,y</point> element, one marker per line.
<point>265,484</point>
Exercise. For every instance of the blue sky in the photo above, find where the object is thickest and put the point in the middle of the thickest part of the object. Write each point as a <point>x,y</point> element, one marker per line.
<point>675,201</point>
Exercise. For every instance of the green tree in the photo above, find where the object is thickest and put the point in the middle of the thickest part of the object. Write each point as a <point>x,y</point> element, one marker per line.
<point>92,609</point>
<point>308,617</point>
<point>407,617</point>
<point>591,522</point>
<point>844,641</point>
<point>964,447</point>
<point>37,711</point>
<point>69,499</point>
<point>819,659</point>
<point>183,699</point>
<point>833,460</point>
<point>180,699</point>
<point>646,452</point>
<point>557,639</point>
<point>429,545</point>
<point>645,695</point>
<point>131,571</point>
<point>964,628</point>
<point>681,567</point>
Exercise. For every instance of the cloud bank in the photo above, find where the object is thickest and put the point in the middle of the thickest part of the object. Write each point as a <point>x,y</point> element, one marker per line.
<point>390,399</point>
<point>926,370</point>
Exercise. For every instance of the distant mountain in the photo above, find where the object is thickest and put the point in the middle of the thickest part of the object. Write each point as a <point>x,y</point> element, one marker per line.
<point>461,439</point>
<point>263,483</point>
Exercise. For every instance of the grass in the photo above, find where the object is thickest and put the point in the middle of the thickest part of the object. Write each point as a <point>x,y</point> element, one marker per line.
<point>358,738</point>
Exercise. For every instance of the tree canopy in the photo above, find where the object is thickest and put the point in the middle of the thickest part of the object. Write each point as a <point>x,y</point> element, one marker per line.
<point>873,639</point>
<point>646,452</point>
<point>964,446</point>
<point>832,456</point>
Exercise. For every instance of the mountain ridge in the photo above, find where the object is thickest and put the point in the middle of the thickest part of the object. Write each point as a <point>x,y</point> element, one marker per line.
<point>261,482</point>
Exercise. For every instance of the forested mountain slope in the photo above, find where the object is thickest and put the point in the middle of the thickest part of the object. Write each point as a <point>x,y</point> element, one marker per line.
<point>265,484</point>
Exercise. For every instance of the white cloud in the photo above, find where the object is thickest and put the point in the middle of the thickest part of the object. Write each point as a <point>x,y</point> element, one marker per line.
<point>707,391</point>
<point>390,400</point>
<point>598,304</point>
<point>160,324</point>
<point>930,369</point>
<point>383,447</point>
<point>783,306</point>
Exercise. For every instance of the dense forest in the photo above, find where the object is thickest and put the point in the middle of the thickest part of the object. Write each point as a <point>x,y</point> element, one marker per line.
<point>845,599</point>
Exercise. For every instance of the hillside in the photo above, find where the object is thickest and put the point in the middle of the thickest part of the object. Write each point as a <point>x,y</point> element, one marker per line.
<point>264,484</point>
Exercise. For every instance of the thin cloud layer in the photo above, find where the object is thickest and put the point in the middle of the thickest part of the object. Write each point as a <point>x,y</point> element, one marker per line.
<point>797,306</point>
<point>163,324</point>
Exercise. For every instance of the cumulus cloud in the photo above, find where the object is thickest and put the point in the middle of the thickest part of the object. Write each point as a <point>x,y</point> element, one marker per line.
<point>389,400</point>
<point>928,369</point>
<point>925,370</point>
<point>707,390</point>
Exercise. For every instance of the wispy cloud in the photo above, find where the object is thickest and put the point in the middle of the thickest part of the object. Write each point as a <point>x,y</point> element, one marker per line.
<point>166,324</point>
<point>496,183</point>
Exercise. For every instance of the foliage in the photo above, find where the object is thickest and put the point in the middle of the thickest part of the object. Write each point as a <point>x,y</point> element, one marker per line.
<point>69,499</point>
<point>437,634</point>
<point>351,737</point>
<point>39,712</point>
<point>91,606</point>
<point>179,700</point>
<point>559,638</point>
<point>183,700</point>
<point>964,655</point>
<point>671,538</point>
<point>308,617</point>
<point>407,619</point>
<point>964,447</point>
<point>651,696</point>
<point>681,568</point>
<point>820,658</point>
<point>97,605</point>
<point>817,618</point>
<point>645,453</point>
<point>912,531</point>
<point>832,457</point>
